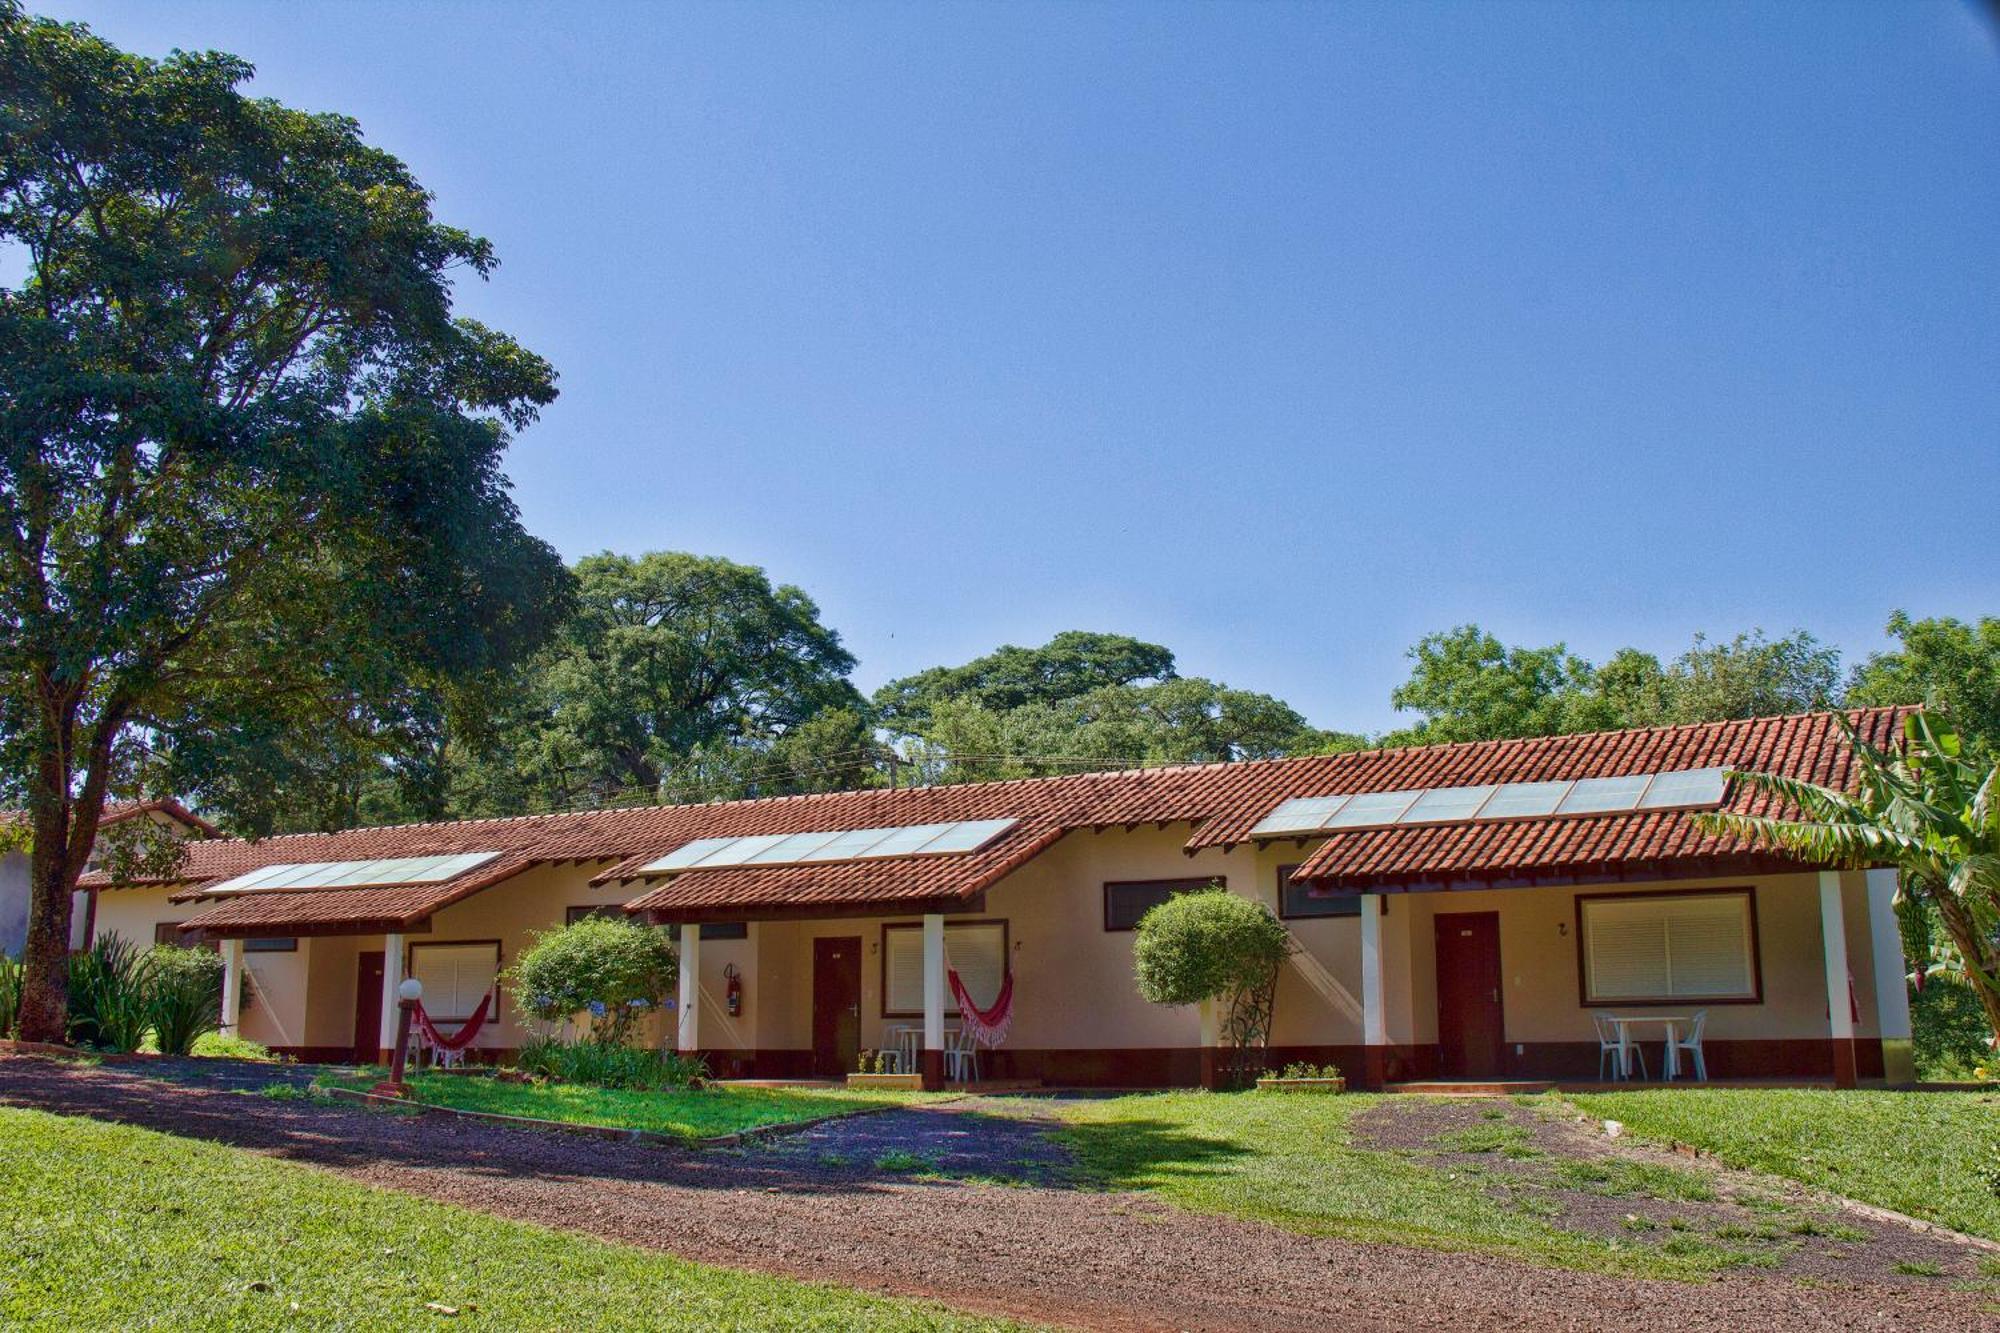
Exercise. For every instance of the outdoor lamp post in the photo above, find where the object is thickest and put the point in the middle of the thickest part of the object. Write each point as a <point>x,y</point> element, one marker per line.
<point>407,996</point>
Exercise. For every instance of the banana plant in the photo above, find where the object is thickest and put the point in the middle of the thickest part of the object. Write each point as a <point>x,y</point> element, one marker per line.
<point>1931,810</point>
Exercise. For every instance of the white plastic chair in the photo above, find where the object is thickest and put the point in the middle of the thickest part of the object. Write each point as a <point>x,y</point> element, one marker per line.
<point>1613,1049</point>
<point>961,1057</point>
<point>1692,1044</point>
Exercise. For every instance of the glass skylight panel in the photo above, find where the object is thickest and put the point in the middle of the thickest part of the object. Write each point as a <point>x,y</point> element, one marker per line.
<point>822,847</point>
<point>1375,807</point>
<point>905,841</point>
<point>1525,800</point>
<point>1300,815</point>
<point>355,874</point>
<point>1694,786</point>
<point>736,851</point>
<point>852,844</point>
<point>797,847</point>
<point>1447,805</point>
<point>1599,796</point>
<point>968,835</point>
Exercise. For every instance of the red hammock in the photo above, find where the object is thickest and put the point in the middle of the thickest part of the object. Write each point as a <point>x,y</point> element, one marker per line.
<point>466,1032</point>
<point>988,1027</point>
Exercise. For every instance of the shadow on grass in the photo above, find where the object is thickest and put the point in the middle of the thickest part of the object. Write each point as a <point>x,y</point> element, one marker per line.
<point>1132,1154</point>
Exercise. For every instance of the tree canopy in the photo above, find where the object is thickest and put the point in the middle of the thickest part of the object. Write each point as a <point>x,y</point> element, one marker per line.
<point>249,460</point>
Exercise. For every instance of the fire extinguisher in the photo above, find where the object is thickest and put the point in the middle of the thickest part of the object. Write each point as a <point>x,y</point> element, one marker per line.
<point>732,998</point>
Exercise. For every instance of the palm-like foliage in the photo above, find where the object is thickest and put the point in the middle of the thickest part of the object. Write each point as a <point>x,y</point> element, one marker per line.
<point>1932,811</point>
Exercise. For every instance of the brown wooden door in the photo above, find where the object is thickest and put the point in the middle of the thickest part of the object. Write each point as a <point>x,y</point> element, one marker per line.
<point>1472,1029</point>
<point>836,1004</point>
<point>368,1006</point>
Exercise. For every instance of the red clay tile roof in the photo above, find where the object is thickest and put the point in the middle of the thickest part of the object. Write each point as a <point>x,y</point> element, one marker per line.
<point>117,812</point>
<point>1223,800</point>
<point>1577,847</point>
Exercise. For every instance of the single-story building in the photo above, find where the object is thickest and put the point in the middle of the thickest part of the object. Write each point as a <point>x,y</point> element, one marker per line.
<point>15,887</point>
<point>1461,911</point>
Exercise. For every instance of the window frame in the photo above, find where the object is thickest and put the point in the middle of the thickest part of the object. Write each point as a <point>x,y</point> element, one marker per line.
<point>719,931</point>
<point>1285,913</point>
<point>271,944</point>
<point>499,966</point>
<point>1747,892</point>
<point>1006,960</point>
<point>1184,885</point>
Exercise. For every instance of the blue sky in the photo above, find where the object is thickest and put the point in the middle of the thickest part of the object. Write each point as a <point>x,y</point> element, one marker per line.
<point>1278,334</point>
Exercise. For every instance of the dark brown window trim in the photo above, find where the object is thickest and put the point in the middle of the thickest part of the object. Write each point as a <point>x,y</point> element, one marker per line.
<point>499,965</point>
<point>1006,959</point>
<point>1756,996</point>
<point>1173,886</point>
<point>1285,914</point>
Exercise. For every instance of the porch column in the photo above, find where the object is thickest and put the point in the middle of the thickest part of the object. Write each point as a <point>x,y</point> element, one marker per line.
<point>232,986</point>
<point>933,1058</point>
<point>687,1039</point>
<point>1839,1006</point>
<point>392,979</point>
<point>1892,994</point>
<point>1374,996</point>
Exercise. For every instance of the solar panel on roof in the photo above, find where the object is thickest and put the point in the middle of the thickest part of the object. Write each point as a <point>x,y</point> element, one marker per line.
<point>827,846</point>
<point>1690,789</point>
<point>377,873</point>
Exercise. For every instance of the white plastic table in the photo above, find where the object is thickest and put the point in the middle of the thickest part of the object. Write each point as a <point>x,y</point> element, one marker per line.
<point>1670,1025</point>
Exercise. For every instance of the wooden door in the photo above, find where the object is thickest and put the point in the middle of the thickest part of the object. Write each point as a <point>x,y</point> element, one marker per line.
<point>836,1004</point>
<point>1472,1028</point>
<point>368,1006</point>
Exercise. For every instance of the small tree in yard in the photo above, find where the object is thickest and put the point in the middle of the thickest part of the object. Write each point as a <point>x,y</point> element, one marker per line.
<point>1932,811</point>
<point>615,971</point>
<point>1214,946</point>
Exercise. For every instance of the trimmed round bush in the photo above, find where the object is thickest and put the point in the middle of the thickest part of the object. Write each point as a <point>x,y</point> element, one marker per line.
<point>614,971</point>
<point>1210,945</point>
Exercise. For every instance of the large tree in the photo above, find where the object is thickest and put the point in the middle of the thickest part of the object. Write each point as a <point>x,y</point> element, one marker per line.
<point>684,677</point>
<point>249,460</point>
<point>1945,662</point>
<point>1072,663</point>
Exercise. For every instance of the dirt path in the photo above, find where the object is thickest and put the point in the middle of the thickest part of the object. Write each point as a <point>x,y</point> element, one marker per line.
<point>1115,1261</point>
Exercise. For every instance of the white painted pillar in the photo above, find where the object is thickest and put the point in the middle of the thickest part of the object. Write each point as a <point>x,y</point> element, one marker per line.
<point>1839,1007</point>
<point>934,986</point>
<point>232,987</point>
<point>1892,994</point>
<point>1374,993</point>
<point>392,979</point>
<point>688,1037</point>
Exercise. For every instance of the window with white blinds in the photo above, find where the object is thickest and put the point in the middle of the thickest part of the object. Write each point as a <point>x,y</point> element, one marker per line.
<point>454,977</point>
<point>1641,948</point>
<point>976,950</point>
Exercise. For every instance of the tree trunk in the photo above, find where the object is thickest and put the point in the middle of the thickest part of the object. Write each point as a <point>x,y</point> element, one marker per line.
<point>1984,971</point>
<point>45,980</point>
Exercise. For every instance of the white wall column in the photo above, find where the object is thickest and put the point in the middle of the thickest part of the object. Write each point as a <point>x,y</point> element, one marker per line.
<point>392,979</point>
<point>1839,1003</point>
<point>232,987</point>
<point>1374,993</point>
<point>1892,994</point>
<point>933,1059</point>
<point>688,1035</point>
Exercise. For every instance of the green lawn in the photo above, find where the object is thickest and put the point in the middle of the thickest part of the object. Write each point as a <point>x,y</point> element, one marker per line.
<point>1928,1154</point>
<point>108,1227</point>
<point>1289,1161</point>
<point>716,1109</point>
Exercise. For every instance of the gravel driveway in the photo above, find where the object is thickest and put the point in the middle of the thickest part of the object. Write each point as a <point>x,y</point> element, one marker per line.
<point>808,1207</point>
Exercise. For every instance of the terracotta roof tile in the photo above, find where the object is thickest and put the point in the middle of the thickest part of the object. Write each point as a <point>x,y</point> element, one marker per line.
<point>1223,801</point>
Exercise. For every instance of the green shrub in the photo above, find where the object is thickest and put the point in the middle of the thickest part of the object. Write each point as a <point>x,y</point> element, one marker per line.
<point>604,1064</point>
<point>224,1046</point>
<point>183,995</point>
<point>615,971</point>
<point>1949,1032</point>
<point>107,996</point>
<point>1216,946</point>
<point>1304,1070</point>
<point>10,994</point>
